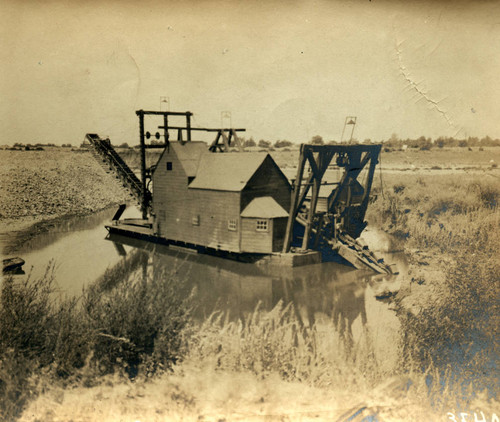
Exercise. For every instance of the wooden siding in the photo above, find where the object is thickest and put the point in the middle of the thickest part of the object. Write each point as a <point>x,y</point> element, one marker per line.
<point>268,180</point>
<point>175,206</point>
<point>253,241</point>
<point>215,209</point>
<point>169,194</point>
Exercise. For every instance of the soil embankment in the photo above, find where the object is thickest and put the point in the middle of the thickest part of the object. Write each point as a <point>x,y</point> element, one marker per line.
<point>41,186</point>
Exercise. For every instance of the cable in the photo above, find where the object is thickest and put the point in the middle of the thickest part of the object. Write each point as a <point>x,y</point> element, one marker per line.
<point>380,168</point>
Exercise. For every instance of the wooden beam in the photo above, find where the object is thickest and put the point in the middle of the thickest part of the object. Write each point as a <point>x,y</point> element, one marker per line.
<point>203,129</point>
<point>238,142</point>
<point>312,163</point>
<point>214,145</point>
<point>144,208</point>
<point>224,139</point>
<point>188,126</point>
<point>312,212</point>
<point>368,186</point>
<point>164,113</point>
<point>294,202</point>
<point>151,146</point>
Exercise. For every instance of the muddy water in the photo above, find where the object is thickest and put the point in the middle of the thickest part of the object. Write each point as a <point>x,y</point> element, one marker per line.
<point>77,248</point>
<point>322,294</point>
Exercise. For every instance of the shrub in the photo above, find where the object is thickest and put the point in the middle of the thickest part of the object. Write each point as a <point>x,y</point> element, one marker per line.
<point>17,385</point>
<point>457,329</point>
<point>137,322</point>
<point>124,321</point>
<point>27,317</point>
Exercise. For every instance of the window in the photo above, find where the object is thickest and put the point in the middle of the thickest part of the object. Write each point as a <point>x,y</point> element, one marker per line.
<point>261,226</point>
<point>169,165</point>
<point>231,225</point>
<point>195,220</point>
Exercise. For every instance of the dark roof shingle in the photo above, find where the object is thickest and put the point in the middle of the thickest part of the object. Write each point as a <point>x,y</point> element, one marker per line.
<point>226,171</point>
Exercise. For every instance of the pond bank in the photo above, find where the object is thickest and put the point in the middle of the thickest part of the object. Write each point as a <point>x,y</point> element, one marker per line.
<point>42,188</point>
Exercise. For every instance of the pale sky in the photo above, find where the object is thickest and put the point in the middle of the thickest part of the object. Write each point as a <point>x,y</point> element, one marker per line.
<point>285,69</point>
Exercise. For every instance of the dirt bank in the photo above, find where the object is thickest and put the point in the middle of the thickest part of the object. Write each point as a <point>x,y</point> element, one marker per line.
<point>39,187</point>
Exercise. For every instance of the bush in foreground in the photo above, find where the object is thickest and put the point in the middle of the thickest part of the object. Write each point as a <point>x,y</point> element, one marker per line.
<point>131,324</point>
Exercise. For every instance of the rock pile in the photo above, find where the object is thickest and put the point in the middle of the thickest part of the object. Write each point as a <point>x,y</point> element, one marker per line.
<point>54,183</point>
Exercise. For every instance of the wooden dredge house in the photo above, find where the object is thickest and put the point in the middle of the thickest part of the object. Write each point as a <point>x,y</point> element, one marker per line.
<point>230,202</point>
<point>210,199</point>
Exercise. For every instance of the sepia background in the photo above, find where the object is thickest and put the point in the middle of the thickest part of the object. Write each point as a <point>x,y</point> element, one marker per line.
<point>83,337</point>
<point>285,69</point>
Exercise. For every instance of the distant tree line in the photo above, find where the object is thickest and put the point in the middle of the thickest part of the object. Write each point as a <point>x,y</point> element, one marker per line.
<point>393,143</point>
<point>424,143</point>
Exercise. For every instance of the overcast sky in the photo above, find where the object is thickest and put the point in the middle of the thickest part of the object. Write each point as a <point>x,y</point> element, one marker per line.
<point>285,69</point>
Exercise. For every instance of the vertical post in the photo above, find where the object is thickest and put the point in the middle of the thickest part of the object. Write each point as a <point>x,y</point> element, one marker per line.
<point>312,206</point>
<point>318,233</point>
<point>188,125</point>
<point>237,140</point>
<point>144,210</point>
<point>165,127</point>
<point>368,185</point>
<point>294,202</point>
<point>224,139</point>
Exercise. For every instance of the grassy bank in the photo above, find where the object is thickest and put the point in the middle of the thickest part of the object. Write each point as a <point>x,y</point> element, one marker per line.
<point>450,309</point>
<point>123,324</point>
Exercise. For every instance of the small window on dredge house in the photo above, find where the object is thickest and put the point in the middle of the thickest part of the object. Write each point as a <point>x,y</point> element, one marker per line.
<point>195,220</point>
<point>231,225</point>
<point>169,165</point>
<point>261,225</point>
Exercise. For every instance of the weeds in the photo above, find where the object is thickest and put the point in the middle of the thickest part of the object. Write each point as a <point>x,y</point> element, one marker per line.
<point>138,322</point>
<point>276,342</point>
<point>123,323</point>
<point>453,339</point>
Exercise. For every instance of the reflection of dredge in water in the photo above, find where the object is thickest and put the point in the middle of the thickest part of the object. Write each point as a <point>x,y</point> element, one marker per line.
<point>329,290</point>
<point>242,205</point>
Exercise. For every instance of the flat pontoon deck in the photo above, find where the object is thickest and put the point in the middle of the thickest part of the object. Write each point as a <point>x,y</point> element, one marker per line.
<point>141,229</point>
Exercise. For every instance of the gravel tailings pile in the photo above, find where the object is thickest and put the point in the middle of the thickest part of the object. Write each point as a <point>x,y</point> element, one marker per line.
<point>54,183</point>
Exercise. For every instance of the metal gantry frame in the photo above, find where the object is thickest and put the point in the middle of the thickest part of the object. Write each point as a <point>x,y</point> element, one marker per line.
<point>227,135</point>
<point>342,214</point>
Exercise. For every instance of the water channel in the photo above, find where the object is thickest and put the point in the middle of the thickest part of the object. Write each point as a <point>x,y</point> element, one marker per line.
<point>330,292</point>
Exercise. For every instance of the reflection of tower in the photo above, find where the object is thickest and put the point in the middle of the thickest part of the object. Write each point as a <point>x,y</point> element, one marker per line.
<point>327,291</point>
<point>348,305</point>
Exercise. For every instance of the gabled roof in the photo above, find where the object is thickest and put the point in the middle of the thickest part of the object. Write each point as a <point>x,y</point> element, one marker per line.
<point>189,155</point>
<point>264,207</point>
<point>226,171</point>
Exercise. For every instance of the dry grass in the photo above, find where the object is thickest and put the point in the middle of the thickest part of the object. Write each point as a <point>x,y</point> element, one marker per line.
<point>123,324</point>
<point>455,224</point>
<point>275,342</point>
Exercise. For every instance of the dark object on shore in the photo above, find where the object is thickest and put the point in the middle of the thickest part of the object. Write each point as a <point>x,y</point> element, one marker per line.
<point>12,264</point>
